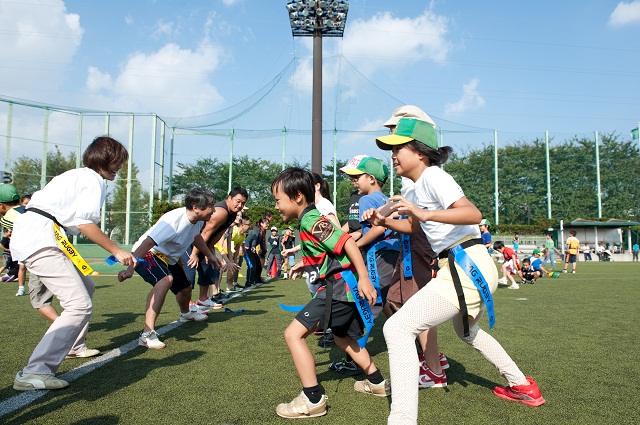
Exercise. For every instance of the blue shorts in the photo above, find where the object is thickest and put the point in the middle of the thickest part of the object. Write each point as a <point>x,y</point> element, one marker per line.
<point>207,275</point>
<point>292,260</point>
<point>158,269</point>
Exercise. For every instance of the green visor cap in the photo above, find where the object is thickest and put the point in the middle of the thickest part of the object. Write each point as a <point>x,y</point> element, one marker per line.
<point>409,129</point>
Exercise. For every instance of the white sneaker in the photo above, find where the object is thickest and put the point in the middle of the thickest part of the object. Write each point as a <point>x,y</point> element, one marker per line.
<point>208,304</point>
<point>192,316</point>
<point>502,281</point>
<point>150,340</point>
<point>514,286</point>
<point>21,291</point>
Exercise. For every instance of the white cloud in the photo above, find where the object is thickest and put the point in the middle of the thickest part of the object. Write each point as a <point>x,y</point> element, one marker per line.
<point>97,80</point>
<point>392,38</point>
<point>128,19</point>
<point>171,81</point>
<point>164,29</point>
<point>230,2</point>
<point>470,99</point>
<point>384,41</point>
<point>39,40</point>
<point>625,13</point>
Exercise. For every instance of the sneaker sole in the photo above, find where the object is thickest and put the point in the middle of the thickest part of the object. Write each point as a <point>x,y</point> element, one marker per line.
<point>142,344</point>
<point>533,403</point>
<point>423,386</point>
<point>315,415</point>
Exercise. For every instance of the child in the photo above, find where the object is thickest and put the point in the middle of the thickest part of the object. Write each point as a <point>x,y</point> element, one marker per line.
<point>510,266</point>
<point>274,254</point>
<point>331,258</point>
<point>161,247</point>
<point>250,247</point>
<point>380,245</point>
<point>536,265</point>
<point>573,244</point>
<point>288,242</point>
<point>484,232</point>
<point>10,209</point>
<point>234,238</point>
<point>516,242</point>
<point>526,273</point>
<point>6,255</point>
<point>438,207</point>
<point>70,203</point>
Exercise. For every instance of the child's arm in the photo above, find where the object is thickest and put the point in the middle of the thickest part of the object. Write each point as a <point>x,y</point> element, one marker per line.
<point>371,235</point>
<point>461,211</point>
<point>140,252</point>
<point>95,235</point>
<point>401,226</point>
<point>365,287</point>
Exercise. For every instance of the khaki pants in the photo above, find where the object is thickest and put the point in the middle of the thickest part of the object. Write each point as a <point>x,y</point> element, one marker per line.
<point>58,274</point>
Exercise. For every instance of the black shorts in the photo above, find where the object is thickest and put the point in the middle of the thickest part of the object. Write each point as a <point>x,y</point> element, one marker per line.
<point>528,275</point>
<point>158,269</point>
<point>571,258</point>
<point>344,321</point>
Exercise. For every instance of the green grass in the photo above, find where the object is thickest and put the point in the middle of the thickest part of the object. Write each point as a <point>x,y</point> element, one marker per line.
<point>576,335</point>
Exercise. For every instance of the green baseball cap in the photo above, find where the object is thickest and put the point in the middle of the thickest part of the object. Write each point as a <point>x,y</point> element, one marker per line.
<point>8,193</point>
<point>372,166</point>
<point>409,129</point>
<point>536,251</point>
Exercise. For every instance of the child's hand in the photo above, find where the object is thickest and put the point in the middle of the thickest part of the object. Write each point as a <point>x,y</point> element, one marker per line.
<point>374,217</point>
<point>366,290</point>
<point>296,270</point>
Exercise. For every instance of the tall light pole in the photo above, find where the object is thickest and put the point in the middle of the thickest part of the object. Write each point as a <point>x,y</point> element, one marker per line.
<point>317,19</point>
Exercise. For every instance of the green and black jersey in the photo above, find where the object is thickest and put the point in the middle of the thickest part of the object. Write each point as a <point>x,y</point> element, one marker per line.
<point>323,255</point>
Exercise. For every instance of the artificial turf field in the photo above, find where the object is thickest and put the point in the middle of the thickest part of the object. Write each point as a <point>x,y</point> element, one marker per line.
<point>576,335</point>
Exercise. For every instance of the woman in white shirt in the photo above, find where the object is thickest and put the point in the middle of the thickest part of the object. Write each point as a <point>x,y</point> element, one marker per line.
<point>70,203</point>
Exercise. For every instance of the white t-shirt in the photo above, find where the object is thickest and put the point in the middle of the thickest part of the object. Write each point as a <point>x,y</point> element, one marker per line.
<point>173,234</point>
<point>326,207</point>
<point>435,189</point>
<point>75,197</point>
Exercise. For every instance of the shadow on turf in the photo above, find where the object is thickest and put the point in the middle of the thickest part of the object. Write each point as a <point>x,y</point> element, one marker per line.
<point>101,383</point>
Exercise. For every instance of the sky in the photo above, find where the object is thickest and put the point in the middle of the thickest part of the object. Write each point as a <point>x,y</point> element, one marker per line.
<point>570,68</point>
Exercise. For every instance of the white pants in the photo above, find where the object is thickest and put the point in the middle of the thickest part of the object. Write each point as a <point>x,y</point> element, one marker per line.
<point>424,310</point>
<point>58,274</point>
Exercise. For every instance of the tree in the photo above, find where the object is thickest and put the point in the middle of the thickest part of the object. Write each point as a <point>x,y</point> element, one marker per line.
<point>139,216</point>
<point>27,171</point>
<point>253,174</point>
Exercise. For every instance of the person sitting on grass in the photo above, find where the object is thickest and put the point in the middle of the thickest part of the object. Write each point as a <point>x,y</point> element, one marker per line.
<point>510,266</point>
<point>161,247</point>
<point>332,259</point>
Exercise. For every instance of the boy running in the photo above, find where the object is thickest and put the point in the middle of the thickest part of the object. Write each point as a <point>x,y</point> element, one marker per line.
<point>332,259</point>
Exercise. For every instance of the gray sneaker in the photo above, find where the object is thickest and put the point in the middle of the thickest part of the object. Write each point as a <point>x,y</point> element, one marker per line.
<point>31,381</point>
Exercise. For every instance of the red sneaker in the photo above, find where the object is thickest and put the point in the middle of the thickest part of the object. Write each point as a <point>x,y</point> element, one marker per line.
<point>429,379</point>
<point>444,363</point>
<point>525,394</point>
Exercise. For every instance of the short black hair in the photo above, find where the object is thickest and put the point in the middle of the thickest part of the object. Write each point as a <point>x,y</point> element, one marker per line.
<point>239,191</point>
<point>199,197</point>
<point>294,180</point>
<point>573,233</point>
<point>498,245</point>
<point>526,261</point>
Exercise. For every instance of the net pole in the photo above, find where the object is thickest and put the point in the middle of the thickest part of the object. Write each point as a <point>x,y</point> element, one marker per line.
<point>548,166</point>
<point>127,225</point>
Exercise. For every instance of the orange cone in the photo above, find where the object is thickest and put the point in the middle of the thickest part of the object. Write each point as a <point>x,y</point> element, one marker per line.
<point>274,269</point>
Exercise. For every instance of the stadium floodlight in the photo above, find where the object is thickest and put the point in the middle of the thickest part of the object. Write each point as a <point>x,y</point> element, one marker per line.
<point>317,19</point>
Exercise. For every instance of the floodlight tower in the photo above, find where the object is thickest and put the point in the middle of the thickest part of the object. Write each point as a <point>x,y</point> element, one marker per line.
<point>317,19</point>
